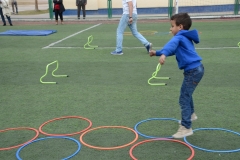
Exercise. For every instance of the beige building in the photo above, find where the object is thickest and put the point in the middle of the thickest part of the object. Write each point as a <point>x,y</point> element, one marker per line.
<point>102,4</point>
<point>159,7</point>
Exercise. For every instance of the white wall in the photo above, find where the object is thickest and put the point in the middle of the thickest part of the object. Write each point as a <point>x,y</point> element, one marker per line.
<point>102,4</point>
<point>91,4</point>
<point>204,2</point>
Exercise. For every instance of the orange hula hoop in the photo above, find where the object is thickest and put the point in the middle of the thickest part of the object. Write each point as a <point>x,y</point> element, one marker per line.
<point>68,134</point>
<point>108,148</point>
<point>161,139</point>
<point>20,128</point>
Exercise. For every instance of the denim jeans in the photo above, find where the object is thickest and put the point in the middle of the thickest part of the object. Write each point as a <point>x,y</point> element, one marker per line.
<point>14,4</point>
<point>123,23</point>
<point>191,80</point>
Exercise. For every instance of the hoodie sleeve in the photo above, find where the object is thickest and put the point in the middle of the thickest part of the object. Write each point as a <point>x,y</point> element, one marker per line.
<point>169,48</point>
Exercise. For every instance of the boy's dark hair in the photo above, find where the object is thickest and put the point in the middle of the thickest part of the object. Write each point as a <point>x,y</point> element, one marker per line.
<point>183,19</point>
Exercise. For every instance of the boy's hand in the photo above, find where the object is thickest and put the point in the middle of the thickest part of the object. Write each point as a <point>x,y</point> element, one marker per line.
<point>152,53</point>
<point>162,59</point>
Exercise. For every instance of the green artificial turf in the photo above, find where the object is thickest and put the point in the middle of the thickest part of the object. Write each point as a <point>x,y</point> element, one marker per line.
<point>113,91</point>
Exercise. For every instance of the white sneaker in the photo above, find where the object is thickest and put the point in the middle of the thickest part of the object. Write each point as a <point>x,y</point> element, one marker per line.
<point>116,53</point>
<point>182,132</point>
<point>193,118</point>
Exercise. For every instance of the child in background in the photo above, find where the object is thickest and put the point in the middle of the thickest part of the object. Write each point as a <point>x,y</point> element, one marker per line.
<point>58,9</point>
<point>181,45</point>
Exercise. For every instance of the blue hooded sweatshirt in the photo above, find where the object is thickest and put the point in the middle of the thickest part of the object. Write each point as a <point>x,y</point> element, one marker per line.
<point>182,46</point>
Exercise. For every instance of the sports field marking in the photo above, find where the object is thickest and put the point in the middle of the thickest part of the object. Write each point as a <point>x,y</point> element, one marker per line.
<point>213,48</point>
<point>219,48</point>
<point>52,44</point>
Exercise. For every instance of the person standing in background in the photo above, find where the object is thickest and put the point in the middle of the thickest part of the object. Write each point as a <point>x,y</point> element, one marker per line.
<point>5,11</point>
<point>14,3</point>
<point>129,18</point>
<point>81,5</point>
<point>58,9</point>
<point>2,16</point>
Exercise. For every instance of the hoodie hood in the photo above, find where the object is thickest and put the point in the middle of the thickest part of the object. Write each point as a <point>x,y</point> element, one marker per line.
<point>181,45</point>
<point>191,35</point>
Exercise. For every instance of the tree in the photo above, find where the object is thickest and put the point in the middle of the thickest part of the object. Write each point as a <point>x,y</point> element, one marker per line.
<point>36,5</point>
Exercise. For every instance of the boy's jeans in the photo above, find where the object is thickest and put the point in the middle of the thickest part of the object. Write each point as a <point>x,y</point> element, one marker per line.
<point>191,79</point>
<point>123,23</point>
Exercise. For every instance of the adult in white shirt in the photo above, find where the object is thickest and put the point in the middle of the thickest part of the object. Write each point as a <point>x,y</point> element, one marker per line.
<point>129,18</point>
<point>5,11</point>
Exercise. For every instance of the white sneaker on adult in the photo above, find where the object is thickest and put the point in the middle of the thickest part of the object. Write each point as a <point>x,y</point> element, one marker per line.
<point>116,53</point>
<point>149,47</point>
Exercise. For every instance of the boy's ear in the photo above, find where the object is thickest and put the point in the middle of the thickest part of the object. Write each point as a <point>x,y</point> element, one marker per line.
<point>180,27</point>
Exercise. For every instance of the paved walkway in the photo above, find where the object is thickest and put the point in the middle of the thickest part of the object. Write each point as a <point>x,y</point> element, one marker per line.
<point>46,17</point>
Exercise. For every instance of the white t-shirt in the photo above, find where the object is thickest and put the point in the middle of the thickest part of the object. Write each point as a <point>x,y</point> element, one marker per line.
<point>125,6</point>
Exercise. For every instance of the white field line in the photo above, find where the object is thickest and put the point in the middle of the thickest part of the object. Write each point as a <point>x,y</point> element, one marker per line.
<point>220,48</point>
<point>213,48</point>
<point>52,44</point>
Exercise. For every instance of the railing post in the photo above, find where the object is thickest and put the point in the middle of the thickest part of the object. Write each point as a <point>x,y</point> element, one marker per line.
<point>50,7</point>
<point>109,8</point>
<point>170,8</point>
<point>236,7</point>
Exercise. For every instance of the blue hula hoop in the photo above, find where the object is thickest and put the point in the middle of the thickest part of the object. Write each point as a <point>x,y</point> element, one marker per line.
<point>150,119</point>
<point>72,139</point>
<point>208,150</point>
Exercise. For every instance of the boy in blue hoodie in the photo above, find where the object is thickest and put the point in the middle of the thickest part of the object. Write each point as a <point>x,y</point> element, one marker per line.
<point>181,45</point>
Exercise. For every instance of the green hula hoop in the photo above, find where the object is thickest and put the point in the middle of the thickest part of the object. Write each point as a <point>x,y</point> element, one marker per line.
<point>87,45</point>
<point>154,76</point>
<point>52,74</point>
